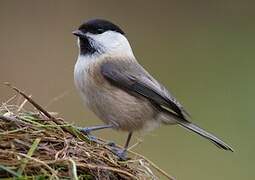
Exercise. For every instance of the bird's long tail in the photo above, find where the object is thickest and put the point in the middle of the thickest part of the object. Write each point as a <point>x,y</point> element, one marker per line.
<point>219,143</point>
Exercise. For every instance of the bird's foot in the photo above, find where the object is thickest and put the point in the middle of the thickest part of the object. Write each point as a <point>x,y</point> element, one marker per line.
<point>87,132</point>
<point>121,153</point>
<point>111,144</point>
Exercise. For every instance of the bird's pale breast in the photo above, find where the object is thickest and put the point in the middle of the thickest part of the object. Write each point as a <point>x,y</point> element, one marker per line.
<point>111,104</point>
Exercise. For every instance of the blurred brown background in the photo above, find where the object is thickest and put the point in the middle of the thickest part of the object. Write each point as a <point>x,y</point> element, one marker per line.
<point>203,51</point>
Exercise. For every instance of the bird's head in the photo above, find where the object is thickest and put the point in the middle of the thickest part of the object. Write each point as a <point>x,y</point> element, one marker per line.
<point>99,36</point>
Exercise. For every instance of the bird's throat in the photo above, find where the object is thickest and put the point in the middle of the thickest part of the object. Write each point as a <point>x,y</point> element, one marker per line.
<point>85,46</point>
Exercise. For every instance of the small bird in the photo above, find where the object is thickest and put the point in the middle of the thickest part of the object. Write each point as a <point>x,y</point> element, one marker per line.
<point>119,90</point>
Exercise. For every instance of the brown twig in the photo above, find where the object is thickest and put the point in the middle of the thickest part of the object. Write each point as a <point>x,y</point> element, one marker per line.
<point>91,166</point>
<point>14,120</point>
<point>154,165</point>
<point>71,130</point>
<point>162,172</point>
<point>37,106</point>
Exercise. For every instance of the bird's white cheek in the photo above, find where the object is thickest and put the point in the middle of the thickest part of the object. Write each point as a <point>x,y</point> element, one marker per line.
<point>112,43</point>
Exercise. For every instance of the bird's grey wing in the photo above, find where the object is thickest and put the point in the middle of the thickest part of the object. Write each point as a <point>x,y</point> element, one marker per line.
<point>132,78</point>
<point>173,99</point>
<point>165,93</point>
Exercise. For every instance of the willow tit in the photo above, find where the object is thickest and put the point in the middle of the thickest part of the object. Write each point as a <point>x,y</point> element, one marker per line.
<point>119,90</point>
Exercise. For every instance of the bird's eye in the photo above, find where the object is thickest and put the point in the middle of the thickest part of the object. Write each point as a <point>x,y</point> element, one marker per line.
<point>100,30</point>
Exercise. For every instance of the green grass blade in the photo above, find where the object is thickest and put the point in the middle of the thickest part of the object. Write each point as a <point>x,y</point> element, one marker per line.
<point>30,153</point>
<point>7,169</point>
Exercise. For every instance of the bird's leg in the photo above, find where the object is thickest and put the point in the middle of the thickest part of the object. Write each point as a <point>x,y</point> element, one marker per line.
<point>88,130</point>
<point>122,153</point>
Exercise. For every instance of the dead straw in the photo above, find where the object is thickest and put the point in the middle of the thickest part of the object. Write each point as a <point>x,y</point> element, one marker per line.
<point>39,145</point>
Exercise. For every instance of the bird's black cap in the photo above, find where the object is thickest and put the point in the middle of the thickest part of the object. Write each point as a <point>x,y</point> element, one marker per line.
<point>98,26</point>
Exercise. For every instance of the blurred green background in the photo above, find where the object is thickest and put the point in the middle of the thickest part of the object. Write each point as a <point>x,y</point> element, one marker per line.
<point>204,51</point>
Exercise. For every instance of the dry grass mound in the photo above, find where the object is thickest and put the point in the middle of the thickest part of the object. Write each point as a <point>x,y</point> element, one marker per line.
<point>36,145</point>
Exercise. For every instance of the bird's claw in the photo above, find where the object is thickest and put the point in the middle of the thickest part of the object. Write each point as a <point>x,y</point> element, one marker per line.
<point>85,130</point>
<point>92,138</point>
<point>111,144</point>
<point>121,153</point>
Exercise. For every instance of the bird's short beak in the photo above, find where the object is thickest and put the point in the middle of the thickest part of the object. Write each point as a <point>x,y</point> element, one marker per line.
<point>78,33</point>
